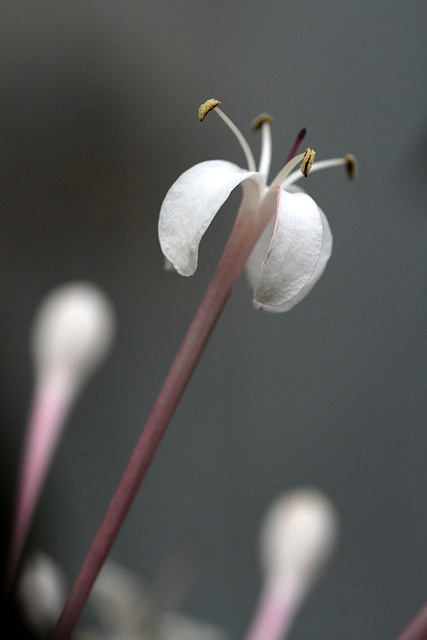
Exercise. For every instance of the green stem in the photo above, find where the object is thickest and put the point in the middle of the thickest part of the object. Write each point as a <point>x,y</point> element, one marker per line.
<point>239,246</point>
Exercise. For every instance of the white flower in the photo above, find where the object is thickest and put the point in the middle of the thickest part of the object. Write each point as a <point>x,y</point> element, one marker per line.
<point>127,611</point>
<point>125,608</point>
<point>295,241</point>
<point>41,592</point>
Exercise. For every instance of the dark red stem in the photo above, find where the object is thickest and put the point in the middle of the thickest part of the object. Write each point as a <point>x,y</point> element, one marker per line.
<point>417,628</point>
<point>238,248</point>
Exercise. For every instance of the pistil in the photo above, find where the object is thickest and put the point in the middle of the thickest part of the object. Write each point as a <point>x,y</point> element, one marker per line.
<point>300,137</point>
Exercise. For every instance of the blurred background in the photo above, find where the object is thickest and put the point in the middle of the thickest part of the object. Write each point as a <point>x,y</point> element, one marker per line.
<point>98,117</point>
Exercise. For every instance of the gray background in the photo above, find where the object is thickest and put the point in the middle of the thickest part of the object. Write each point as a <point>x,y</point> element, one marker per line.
<point>98,118</point>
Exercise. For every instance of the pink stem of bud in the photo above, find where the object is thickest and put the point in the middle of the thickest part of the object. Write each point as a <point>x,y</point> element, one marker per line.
<point>275,612</point>
<point>52,398</point>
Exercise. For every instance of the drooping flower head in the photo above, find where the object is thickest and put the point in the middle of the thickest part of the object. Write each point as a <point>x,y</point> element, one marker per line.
<point>295,241</point>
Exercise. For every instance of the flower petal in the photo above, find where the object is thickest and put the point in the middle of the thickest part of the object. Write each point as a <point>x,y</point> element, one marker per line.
<point>120,599</point>
<point>190,206</point>
<point>259,252</point>
<point>325,254</point>
<point>299,249</point>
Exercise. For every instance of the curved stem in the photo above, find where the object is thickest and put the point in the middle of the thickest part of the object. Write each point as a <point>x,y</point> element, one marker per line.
<point>244,235</point>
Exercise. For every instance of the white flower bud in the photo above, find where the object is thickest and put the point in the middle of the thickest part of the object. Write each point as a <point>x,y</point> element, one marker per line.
<point>73,330</point>
<point>41,593</point>
<point>298,536</point>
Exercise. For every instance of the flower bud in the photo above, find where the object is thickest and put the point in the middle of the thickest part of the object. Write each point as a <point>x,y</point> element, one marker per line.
<point>298,536</point>
<point>73,330</point>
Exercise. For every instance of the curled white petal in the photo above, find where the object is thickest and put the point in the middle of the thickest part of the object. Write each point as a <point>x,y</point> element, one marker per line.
<point>299,249</point>
<point>190,206</point>
<point>325,254</point>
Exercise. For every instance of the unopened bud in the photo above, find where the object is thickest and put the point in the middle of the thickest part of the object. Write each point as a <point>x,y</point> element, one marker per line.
<point>73,329</point>
<point>298,536</point>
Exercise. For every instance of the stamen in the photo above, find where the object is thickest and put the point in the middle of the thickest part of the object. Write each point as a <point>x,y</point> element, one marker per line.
<point>349,162</point>
<point>307,162</point>
<point>286,170</point>
<point>263,122</point>
<point>240,137</point>
<point>213,104</point>
<point>259,121</point>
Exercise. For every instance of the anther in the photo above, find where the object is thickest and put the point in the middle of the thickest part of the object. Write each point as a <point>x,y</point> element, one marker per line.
<point>206,107</point>
<point>307,161</point>
<point>350,166</point>
<point>211,104</point>
<point>259,120</point>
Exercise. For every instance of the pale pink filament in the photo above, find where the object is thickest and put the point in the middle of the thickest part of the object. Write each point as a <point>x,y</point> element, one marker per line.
<point>275,611</point>
<point>52,397</point>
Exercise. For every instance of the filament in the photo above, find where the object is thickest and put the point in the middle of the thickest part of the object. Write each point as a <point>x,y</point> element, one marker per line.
<point>240,137</point>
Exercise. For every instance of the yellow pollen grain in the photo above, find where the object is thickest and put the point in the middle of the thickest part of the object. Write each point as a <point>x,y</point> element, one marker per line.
<point>259,120</point>
<point>206,107</point>
<point>350,166</point>
<point>307,161</point>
